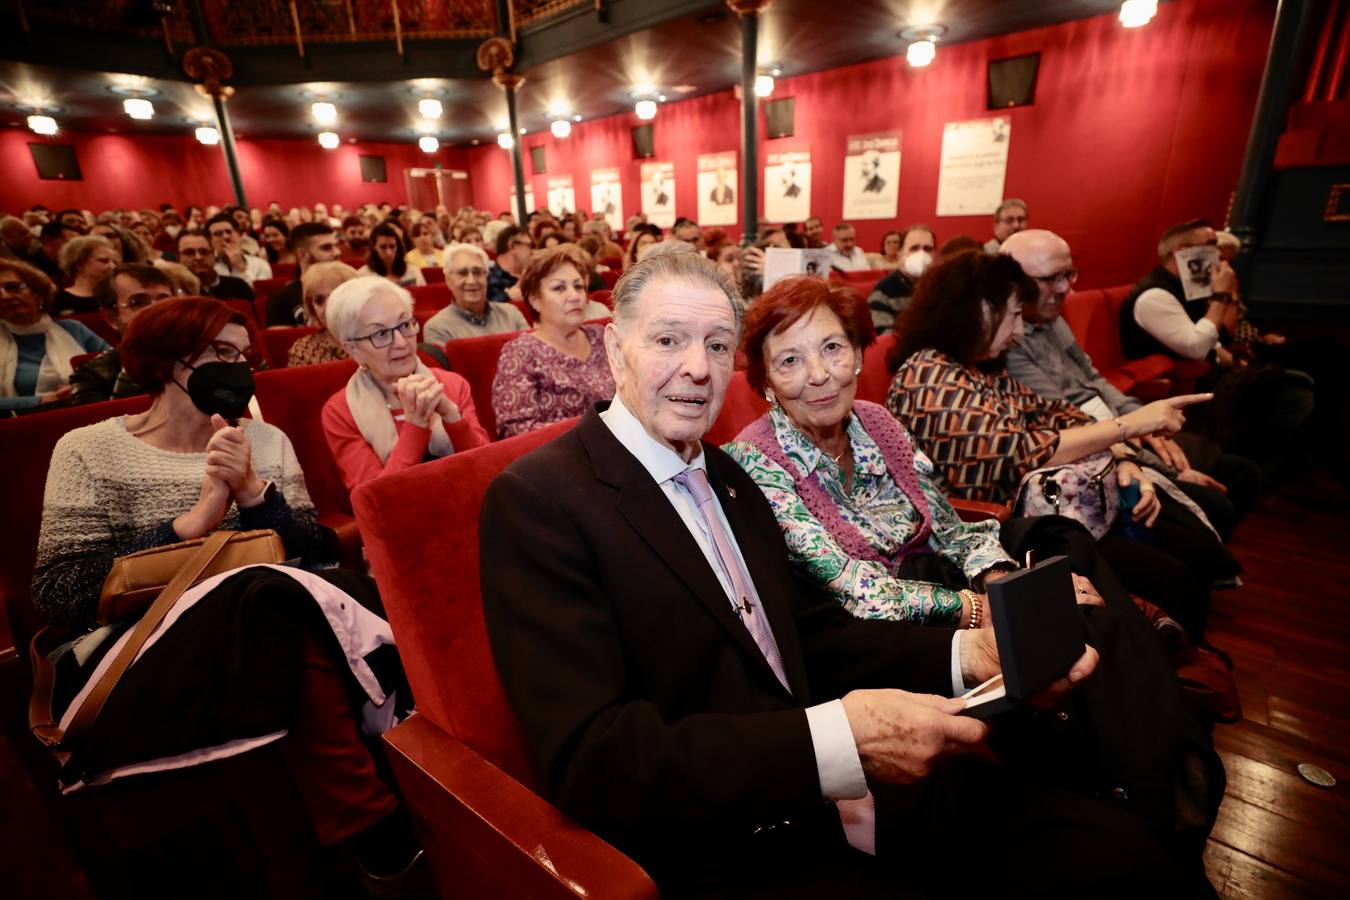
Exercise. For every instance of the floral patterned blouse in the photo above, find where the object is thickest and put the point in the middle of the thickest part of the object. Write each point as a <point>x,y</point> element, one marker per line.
<point>537,384</point>
<point>312,349</point>
<point>879,509</point>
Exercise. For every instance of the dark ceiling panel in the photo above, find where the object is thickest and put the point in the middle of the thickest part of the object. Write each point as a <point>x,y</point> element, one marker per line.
<point>696,53</point>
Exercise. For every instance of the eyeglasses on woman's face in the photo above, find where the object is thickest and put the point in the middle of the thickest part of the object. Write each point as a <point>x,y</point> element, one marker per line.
<point>381,338</point>
<point>13,287</point>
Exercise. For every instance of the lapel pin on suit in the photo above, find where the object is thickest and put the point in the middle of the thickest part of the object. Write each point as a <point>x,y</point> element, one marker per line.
<point>731,492</point>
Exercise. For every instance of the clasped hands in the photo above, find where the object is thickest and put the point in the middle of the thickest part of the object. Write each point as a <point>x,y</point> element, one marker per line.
<point>422,396</point>
<point>901,736</point>
<point>229,477</point>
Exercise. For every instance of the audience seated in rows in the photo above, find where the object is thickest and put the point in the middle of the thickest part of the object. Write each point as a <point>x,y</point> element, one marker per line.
<point>514,246</point>
<point>276,243</point>
<point>318,283</point>
<point>425,254</point>
<point>595,656</point>
<point>848,256</point>
<point>35,350</point>
<point>1049,361</point>
<point>471,315</point>
<point>988,434</point>
<point>231,258</point>
<point>394,412</point>
<point>891,294</point>
<point>122,295</point>
<point>126,245</point>
<point>890,256</point>
<point>558,370</point>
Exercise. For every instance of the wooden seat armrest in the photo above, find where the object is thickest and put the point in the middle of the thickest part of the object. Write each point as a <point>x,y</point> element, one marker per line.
<point>487,835</point>
<point>979,511</point>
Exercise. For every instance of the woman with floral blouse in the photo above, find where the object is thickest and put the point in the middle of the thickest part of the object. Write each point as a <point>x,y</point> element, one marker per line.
<point>856,502</point>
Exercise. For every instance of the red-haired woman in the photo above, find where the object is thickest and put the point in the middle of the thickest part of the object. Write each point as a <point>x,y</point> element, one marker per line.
<point>248,657</point>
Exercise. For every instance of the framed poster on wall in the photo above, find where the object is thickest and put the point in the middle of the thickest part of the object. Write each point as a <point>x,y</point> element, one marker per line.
<point>787,186</point>
<point>658,192</point>
<point>562,197</point>
<point>872,176</point>
<point>974,163</point>
<point>607,197</point>
<point>717,189</point>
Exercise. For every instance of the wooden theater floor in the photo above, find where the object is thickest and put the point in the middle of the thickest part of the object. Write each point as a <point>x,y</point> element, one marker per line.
<point>1287,629</point>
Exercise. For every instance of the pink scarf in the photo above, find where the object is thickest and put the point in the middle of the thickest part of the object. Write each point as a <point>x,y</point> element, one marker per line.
<point>896,450</point>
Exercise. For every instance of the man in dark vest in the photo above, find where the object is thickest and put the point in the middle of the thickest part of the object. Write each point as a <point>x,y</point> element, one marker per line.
<point>1256,412</point>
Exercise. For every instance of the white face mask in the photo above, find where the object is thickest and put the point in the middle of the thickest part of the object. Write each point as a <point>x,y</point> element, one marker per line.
<point>917,263</point>
<point>172,230</point>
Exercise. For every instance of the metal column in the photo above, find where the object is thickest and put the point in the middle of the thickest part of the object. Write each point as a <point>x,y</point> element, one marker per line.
<point>749,127</point>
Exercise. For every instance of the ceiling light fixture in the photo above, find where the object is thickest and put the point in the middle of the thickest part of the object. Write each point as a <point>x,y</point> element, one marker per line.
<point>324,113</point>
<point>645,109</point>
<point>328,140</point>
<point>922,49</point>
<point>42,124</point>
<point>430,108</point>
<point>428,144</point>
<point>577,117</point>
<point>139,108</point>
<point>505,141</point>
<point>561,128</point>
<point>208,135</point>
<point>763,85</point>
<point>1137,13</point>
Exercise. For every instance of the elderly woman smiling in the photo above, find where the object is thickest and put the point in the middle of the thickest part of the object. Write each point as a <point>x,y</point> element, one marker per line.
<point>394,412</point>
<point>316,285</point>
<point>558,370</point>
<point>35,351</point>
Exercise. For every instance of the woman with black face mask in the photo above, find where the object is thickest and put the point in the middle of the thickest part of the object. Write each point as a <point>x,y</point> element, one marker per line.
<point>245,658</point>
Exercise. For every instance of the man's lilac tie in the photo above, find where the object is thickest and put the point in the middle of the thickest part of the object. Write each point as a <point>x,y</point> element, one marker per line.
<point>695,481</point>
<point>857,816</point>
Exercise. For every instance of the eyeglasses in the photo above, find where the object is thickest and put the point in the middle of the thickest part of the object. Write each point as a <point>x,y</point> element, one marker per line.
<point>1068,276</point>
<point>13,287</point>
<point>475,272</point>
<point>229,353</point>
<point>383,337</point>
<point>141,301</point>
<point>200,251</point>
<point>529,244</point>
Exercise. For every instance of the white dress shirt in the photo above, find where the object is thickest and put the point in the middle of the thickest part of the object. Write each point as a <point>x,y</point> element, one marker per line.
<point>854,262</point>
<point>837,763</point>
<point>1160,313</point>
<point>255,268</point>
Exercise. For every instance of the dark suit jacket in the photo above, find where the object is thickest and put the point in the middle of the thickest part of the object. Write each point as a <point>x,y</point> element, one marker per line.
<point>651,714</point>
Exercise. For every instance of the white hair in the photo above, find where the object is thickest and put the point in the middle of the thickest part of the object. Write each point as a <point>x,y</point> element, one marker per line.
<point>348,299</point>
<point>476,250</point>
<point>690,268</point>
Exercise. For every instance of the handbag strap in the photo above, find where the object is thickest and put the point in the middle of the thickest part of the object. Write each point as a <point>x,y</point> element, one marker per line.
<point>191,571</point>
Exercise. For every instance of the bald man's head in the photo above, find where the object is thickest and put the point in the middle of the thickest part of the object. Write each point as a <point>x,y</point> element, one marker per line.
<point>1045,256</point>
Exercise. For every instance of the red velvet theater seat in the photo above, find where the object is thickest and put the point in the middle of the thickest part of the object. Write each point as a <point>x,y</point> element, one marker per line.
<point>291,399</point>
<point>279,341</point>
<point>875,379</point>
<point>1094,318</point>
<point>431,296</point>
<point>741,407</point>
<point>461,761</point>
<point>476,359</point>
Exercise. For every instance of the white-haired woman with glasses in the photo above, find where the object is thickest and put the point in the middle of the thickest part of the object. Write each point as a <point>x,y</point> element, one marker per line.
<point>394,412</point>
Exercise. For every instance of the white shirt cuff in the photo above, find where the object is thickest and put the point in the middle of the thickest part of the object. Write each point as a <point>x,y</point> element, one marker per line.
<point>958,683</point>
<point>1208,327</point>
<point>837,763</point>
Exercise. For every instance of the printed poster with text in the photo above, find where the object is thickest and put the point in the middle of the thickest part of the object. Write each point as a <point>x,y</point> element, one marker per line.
<point>658,192</point>
<point>787,186</point>
<point>717,189</point>
<point>562,198</point>
<point>974,162</point>
<point>872,176</point>
<point>529,199</point>
<point>607,197</point>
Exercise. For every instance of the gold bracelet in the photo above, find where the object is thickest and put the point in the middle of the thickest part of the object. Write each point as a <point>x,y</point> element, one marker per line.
<point>976,610</point>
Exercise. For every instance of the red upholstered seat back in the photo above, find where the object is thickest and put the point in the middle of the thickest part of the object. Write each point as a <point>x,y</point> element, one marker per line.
<point>291,399</point>
<point>1093,323</point>
<point>741,407</point>
<point>605,296</point>
<point>420,529</point>
<point>610,277</point>
<point>266,287</point>
<point>433,275</point>
<point>26,446</point>
<point>284,271</point>
<point>431,296</point>
<point>279,340</point>
<point>98,325</point>
<point>875,379</point>
<point>476,359</point>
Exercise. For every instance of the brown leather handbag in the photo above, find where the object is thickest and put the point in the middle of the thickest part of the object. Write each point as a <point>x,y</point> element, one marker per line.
<point>153,578</point>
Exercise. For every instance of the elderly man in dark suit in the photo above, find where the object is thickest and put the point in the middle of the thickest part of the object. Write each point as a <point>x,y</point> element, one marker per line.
<point>685,696</point>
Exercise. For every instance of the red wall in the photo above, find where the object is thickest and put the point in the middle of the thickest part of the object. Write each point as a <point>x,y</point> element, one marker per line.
<point>1132,130</point>
<point>144,171</point>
